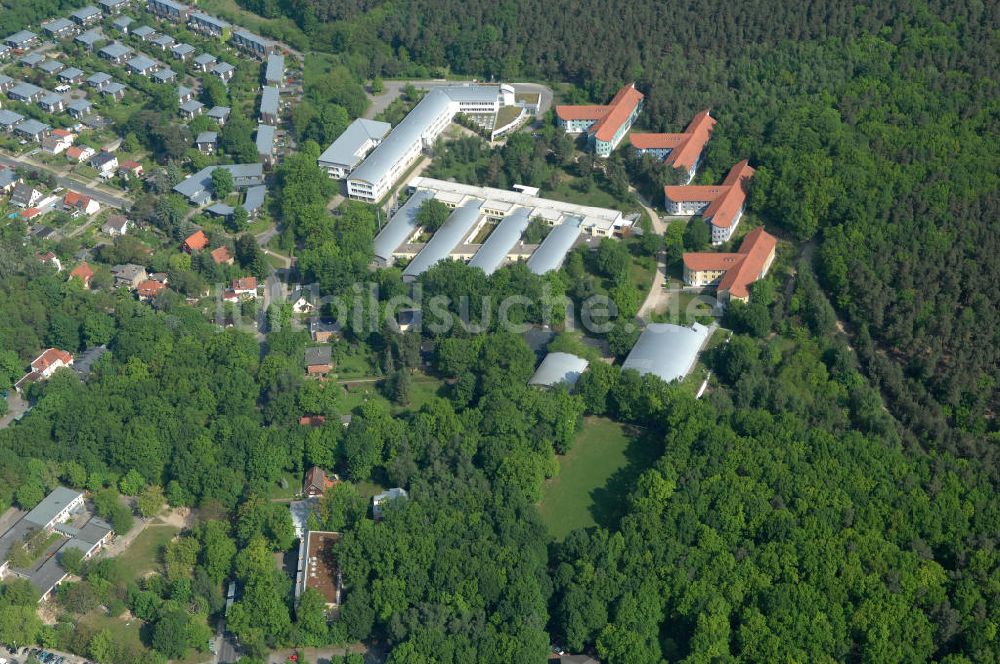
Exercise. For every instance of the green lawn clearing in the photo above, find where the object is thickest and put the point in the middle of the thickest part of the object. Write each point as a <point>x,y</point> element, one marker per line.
<point>594,478</point>
<point>143,555</point>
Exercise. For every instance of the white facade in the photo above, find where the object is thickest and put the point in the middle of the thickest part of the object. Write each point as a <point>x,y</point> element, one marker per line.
<point>374,178</point>
<point>723,233</point>
<point>686,208</point>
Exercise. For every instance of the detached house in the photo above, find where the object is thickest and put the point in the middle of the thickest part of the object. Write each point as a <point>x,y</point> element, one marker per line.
<point>205,61</point>
<point>130,169</point>
<point>219,113</point>
<point>191,108</point>
<point>223,71</point>
<point>115,90</point>
<point>142,65</point>
<point>316,482</point>
<point>43,366</point>
<point>33,130</point>
<point>78,154</point>
<point>83,272</point>
<point>245,287</point>
<point>207,141</point>
<point>8,180</point>
<point>318,360</point>
<point>98,80</point>
<point>195,242</point>
<point>86,16</point>
<point>51,102</point>
<point>182,51</point>
<point>106,164</point>
<point>25,92</point>
<point>25,196</point>
<point>149,289</point>
<point>89,39</point>
<point>79,204</point>
<point>71,76</point>
<point>78,108</point>
<point>49,258</point>
<point>116,225</point>
<point>23,39</point>
<point>58,141</point>
<point>9,120</point>
<point>221,256</point>
<point>115,53</point>
<point>129,275</point>
<point>59,28</point>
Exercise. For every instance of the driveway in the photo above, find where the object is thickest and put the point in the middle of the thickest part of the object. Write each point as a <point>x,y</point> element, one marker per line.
<point>103,197</point>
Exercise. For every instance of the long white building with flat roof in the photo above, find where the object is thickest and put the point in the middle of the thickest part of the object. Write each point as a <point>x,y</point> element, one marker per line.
<point>373,179</point>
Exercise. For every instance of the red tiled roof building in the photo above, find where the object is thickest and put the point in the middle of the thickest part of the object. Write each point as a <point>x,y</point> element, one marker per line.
<point>605,126</point>
<point>732,274</point>
<point>720,206</point>
<point>681,151</point>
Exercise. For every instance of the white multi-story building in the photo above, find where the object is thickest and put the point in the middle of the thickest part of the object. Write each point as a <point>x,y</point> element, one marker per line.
<point>373,179</point>
<point>361,137</point>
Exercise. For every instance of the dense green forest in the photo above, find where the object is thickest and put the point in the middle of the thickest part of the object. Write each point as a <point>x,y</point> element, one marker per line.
<point>874,129</point>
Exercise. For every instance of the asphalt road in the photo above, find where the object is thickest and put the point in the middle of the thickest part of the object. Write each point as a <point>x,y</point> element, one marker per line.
<point>102,197</point>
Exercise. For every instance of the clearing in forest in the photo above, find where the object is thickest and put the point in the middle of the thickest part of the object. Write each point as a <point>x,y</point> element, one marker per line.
<point>594,477</point>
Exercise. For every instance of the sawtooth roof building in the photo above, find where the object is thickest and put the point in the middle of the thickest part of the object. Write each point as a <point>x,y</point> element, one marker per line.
<point>552,251</point>
<point>667,350</point>
<point>373,179</point>
<point>681,151</point>
<point>605,126</point>
<point>502,241</point>
<point>458,225</point>
<point>721,206</point>
<point>511,210</point>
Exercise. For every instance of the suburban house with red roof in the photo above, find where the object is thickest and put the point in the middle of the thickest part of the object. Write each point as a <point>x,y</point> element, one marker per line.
<point>681,151</point>
<point>129,168</point>
<point>721,206</point>
<point>149,289</point>
<point>79,153</point>
<point>732,274</point>
<point>44,366</point>
<point>245,286</point>
<point>221,256</point>
<point>195,242</point>
<point>605,126</point>
<point>83,272</point>
<point>76,202</point>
